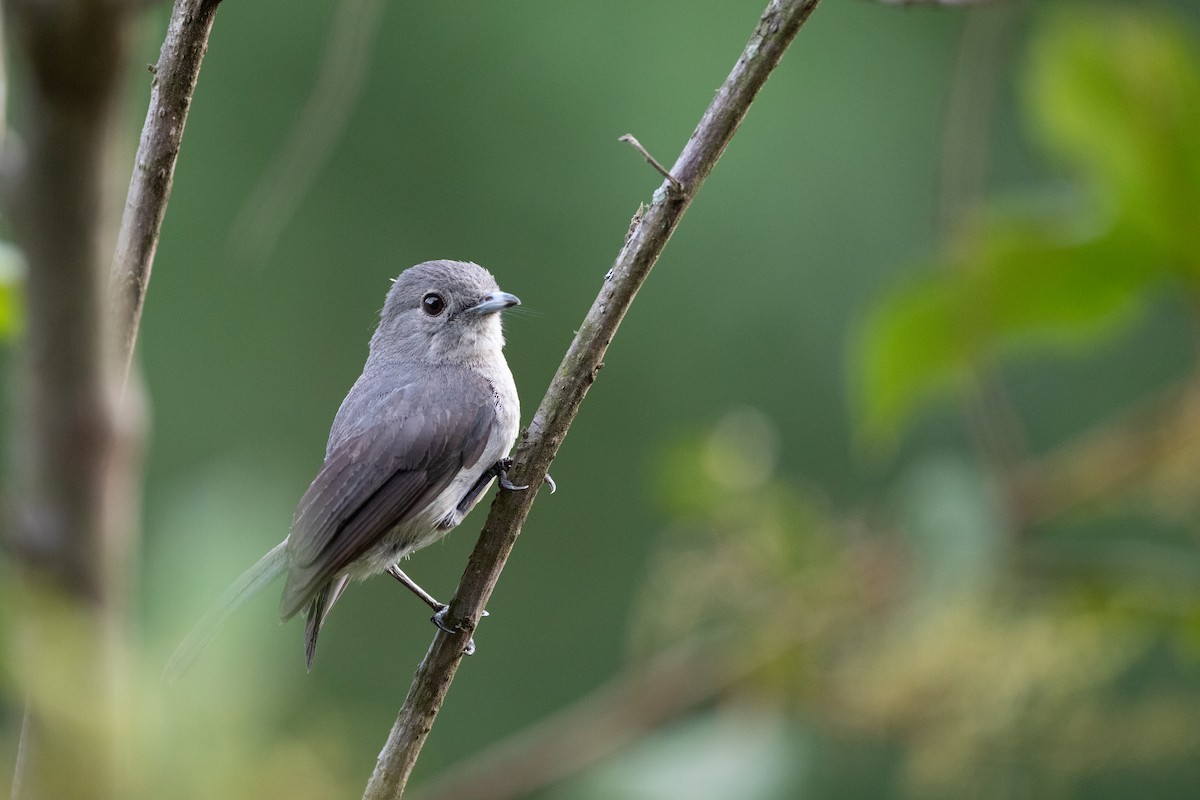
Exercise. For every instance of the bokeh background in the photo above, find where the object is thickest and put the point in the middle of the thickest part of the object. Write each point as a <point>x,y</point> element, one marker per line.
<point>887,488</point>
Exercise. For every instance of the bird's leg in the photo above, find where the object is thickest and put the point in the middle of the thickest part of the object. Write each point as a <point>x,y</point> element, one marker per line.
<point>439,609</point>
<point>412,586</point>
<point>497,470</point>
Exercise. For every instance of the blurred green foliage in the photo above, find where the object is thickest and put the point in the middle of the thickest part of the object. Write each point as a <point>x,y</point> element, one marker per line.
<point>12,267</point>
<point>983,658</point>
<point>1115,95</point>
<point>919,636</point>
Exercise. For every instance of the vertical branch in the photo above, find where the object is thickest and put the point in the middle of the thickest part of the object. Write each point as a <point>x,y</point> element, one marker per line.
<point>55,181</point>
<point>175,78</point>
<point>648,236</point>
<point>74,528</point>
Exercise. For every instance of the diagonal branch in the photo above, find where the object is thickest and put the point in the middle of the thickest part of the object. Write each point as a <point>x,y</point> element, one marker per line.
<point>651,230</point>
<point>154,167</point>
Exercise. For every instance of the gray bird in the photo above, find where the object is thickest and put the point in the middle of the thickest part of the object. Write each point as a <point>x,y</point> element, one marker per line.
<point>418,440</point>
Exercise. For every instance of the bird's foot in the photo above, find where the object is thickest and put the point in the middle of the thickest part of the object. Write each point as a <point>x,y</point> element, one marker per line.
<point>502,467</point>
<point>440,618</point>
<point>502,476</point>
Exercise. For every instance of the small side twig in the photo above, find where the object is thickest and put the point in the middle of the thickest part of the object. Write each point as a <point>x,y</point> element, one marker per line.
<point>632,141</point>
<point>174,84</point>
<point>779,24</point>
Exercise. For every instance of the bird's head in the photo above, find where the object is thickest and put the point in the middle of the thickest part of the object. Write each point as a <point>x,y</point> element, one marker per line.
<point>442,312</point>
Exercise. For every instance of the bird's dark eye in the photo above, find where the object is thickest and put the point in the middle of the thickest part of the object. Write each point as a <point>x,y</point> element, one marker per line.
<point>433,304</point>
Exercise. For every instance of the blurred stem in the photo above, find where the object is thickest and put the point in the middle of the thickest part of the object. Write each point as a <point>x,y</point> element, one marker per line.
<point>171,93</point>
<point>949,3</point>
<point>19,769</point>
<point>983,47</point>
<point>343,72</point>
<point>1154,445</point>
<point>3,79</point>
<point>651,229</point>
<point>75,456</point>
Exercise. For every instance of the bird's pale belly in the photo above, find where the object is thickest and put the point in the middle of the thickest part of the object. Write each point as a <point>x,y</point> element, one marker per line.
<point>427,526</point>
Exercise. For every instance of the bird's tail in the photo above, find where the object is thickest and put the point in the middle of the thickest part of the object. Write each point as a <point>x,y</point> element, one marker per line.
<point>317,611</point>
<point>267,569</point>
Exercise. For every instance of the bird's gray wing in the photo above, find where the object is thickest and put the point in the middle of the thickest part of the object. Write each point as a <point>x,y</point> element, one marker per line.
<point>377,477</point>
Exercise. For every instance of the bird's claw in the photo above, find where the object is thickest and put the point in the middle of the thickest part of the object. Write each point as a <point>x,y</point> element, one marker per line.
<point>505,483</point>
<point>502,467</point>
<point>502,476</point>
<point>440,620</point>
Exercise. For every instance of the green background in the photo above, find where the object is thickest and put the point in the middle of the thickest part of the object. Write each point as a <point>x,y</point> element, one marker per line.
<point>488,131</point>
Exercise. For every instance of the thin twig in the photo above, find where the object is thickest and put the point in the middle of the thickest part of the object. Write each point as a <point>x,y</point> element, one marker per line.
<point>174,84</point>
<point>21,762</point>
<point>779,24</point>
<point>632,141</point>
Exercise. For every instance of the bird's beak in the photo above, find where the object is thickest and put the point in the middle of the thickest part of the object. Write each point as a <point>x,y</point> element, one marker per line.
<point>493,302</point>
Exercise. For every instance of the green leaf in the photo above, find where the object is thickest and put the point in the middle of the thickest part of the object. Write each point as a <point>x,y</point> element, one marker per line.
<point>1116,93</point>
<point>1030,286</point>
<point>1037,287</point>
<point>913,344</point>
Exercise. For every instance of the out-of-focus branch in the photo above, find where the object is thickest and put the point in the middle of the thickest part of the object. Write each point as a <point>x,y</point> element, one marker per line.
<point>55,188</point>
<point>73,468</point>
<point>297,162</point>
<point>1154,451</point>
<point>949,3</point>
<point>985,40</point>
<point>780,23</point>
<point>154,168</point>
<point>637,701</point>
<point>3,80</point>
<point>984,43</point>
